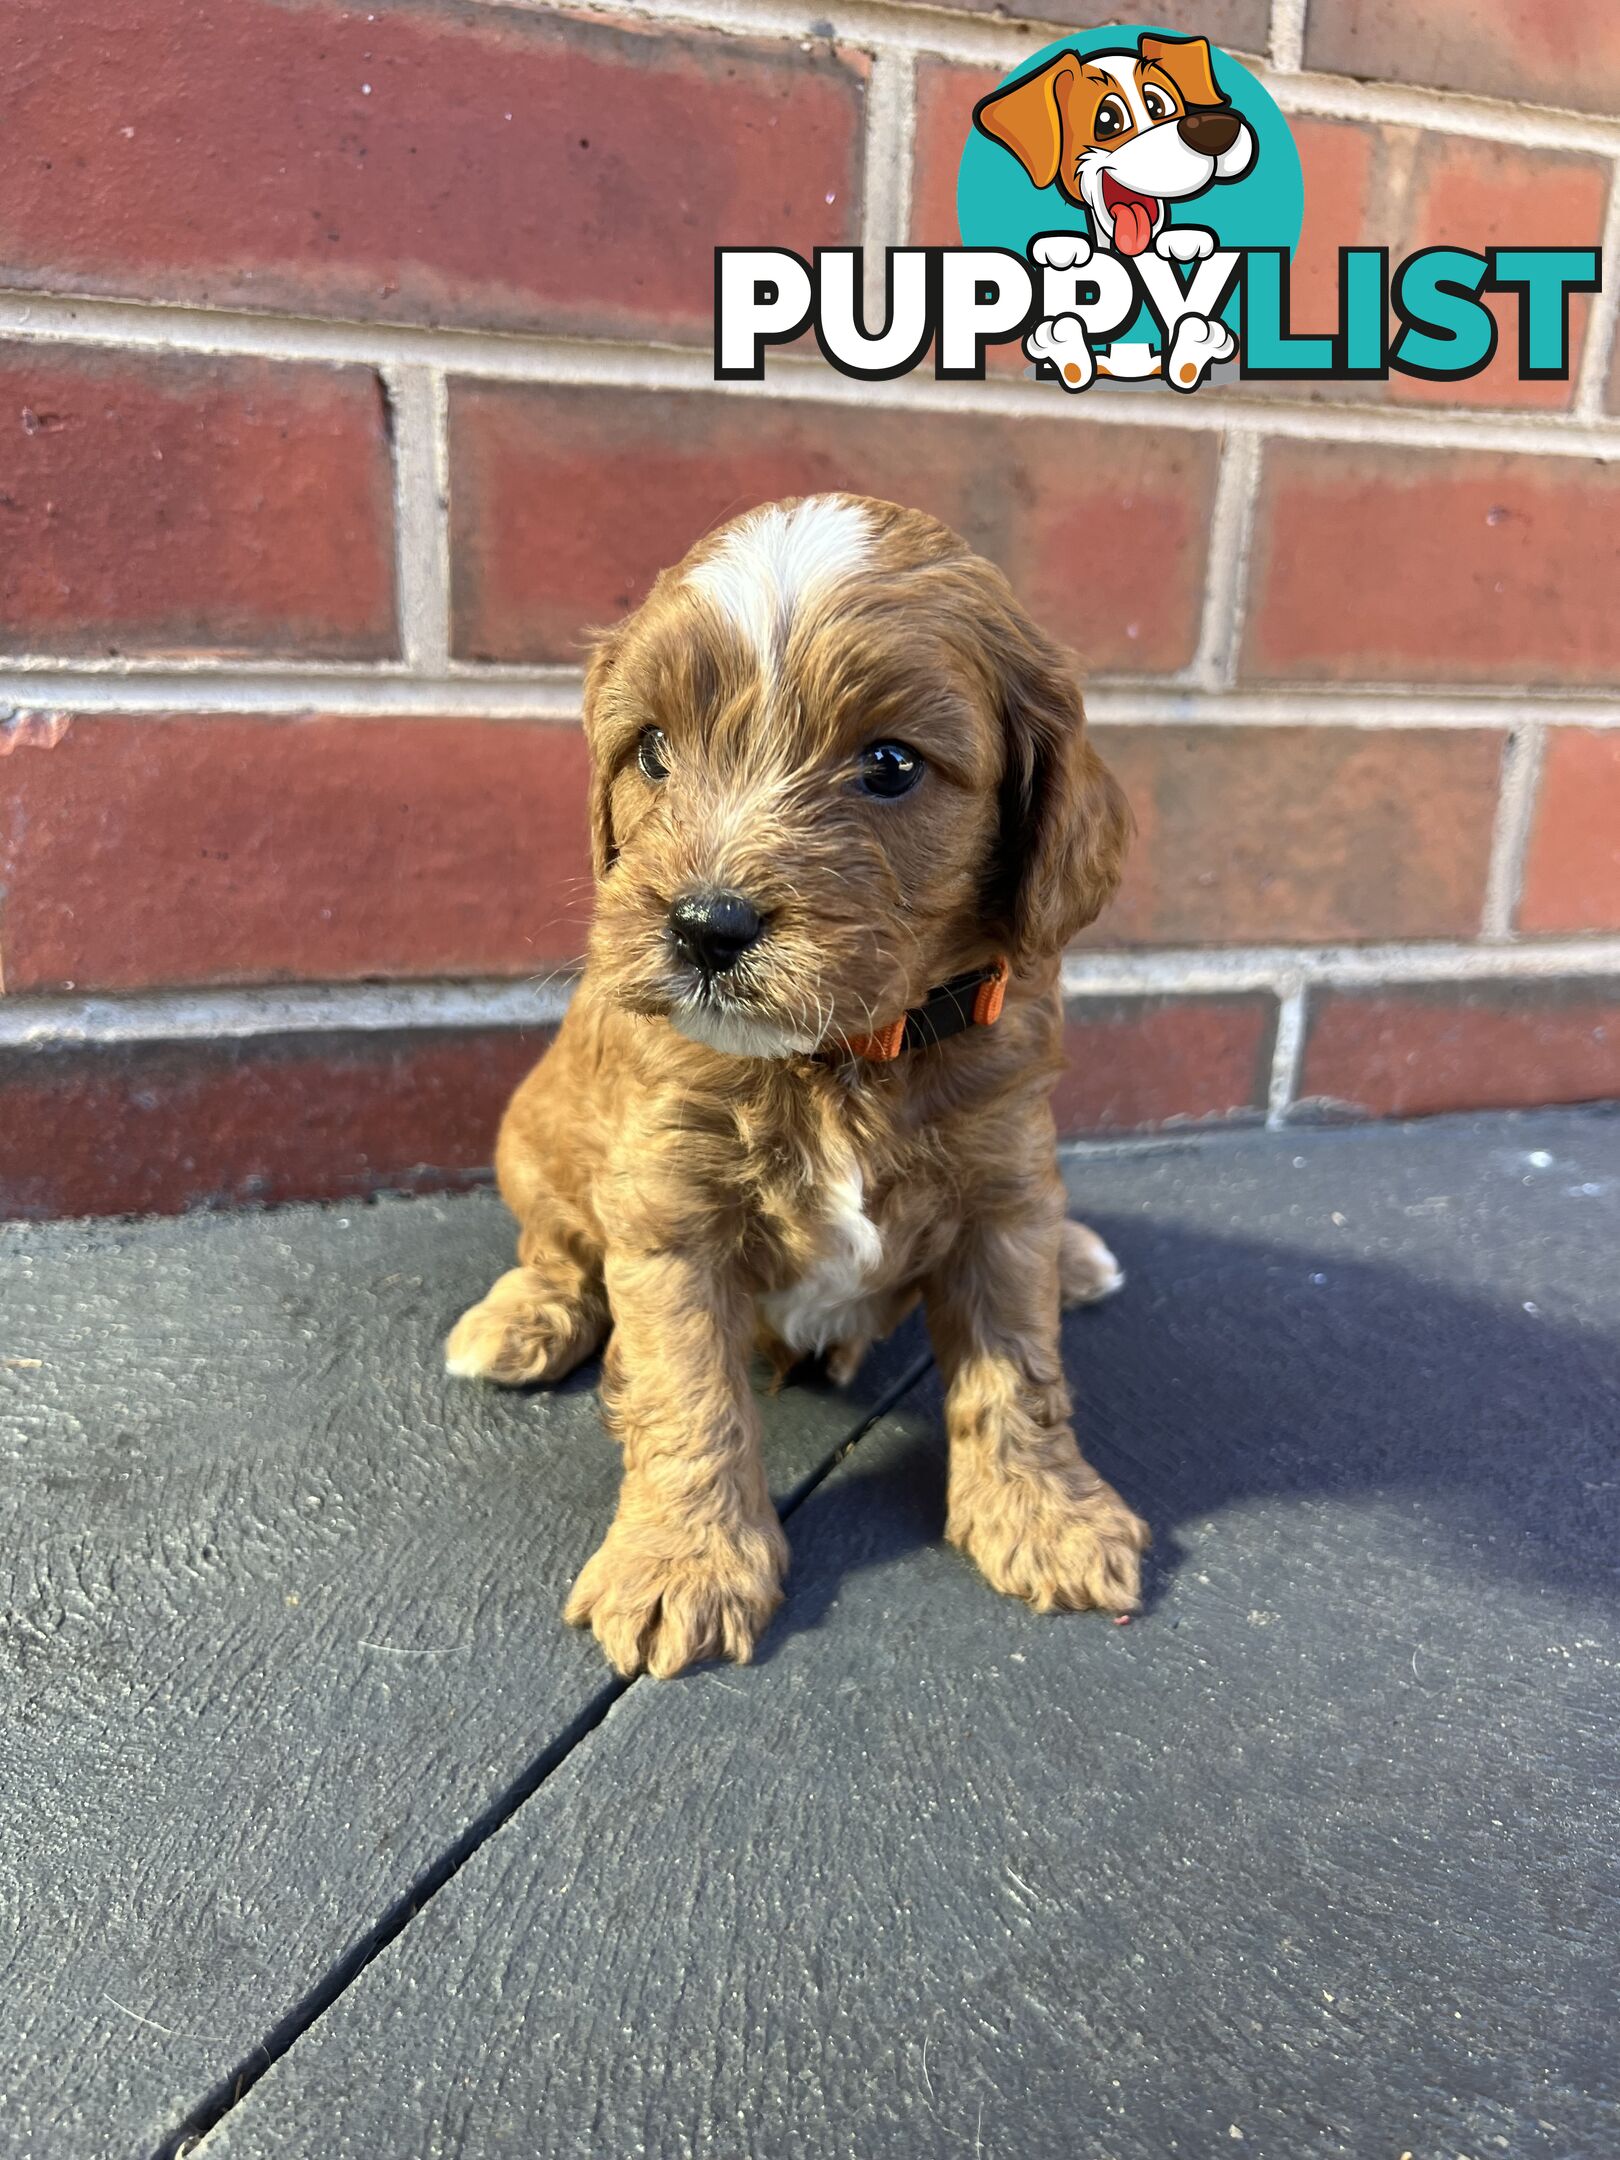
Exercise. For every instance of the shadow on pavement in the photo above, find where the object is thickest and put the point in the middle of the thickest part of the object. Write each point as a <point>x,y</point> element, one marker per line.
<point>1231,1372</point>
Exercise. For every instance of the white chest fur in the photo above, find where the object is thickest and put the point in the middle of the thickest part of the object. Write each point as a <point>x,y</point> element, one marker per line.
<point>826,1305</point>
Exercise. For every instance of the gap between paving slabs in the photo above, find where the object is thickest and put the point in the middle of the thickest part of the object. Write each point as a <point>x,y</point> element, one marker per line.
<point>1331,1807</point>
<point>237,2083</point>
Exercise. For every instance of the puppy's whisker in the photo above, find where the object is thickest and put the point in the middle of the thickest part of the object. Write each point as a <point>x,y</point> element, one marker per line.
<point>539,984</point>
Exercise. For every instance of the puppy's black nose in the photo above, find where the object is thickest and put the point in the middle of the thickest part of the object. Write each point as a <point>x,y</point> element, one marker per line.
<point>1209,132</point>
<point>715,929</point>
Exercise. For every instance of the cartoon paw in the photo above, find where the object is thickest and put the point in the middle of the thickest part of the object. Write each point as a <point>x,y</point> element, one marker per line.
<point>1061,342</point>
<point>1184,243</point>
<point>1194,350</point>
<point>1061,250</point>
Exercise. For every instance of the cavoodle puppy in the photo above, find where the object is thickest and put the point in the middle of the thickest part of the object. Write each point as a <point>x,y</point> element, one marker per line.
<point>844,818</point>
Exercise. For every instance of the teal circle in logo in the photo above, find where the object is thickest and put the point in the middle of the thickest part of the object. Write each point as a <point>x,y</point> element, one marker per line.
<point>998,203</point>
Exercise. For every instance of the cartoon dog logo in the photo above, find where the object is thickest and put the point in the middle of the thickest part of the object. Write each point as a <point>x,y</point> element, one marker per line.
<point>1123,134</point>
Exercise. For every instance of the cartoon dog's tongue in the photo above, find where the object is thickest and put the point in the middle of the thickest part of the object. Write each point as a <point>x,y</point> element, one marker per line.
<point>1133,215</point>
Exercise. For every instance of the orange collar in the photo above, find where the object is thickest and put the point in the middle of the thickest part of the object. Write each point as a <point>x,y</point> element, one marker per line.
<point>970,1000</point>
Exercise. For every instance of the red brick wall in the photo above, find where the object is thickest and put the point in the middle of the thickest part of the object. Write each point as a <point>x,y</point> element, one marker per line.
<point>353,362</point>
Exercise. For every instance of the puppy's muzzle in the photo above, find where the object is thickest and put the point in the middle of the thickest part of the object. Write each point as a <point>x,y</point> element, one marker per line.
<point>1209,133</point>
<point>714,929</point>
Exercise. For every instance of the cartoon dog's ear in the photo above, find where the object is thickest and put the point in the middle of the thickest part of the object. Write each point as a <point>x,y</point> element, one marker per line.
<point>1187,63</point>
<point>1024,117</point>
<point>1065,823</point>
<point>604,652</point>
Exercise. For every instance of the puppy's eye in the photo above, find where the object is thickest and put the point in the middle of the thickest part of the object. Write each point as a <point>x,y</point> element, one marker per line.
<point>889,768</point>
<point>652,753</point>
<point>1112,119</point>
<point>1159,106</point>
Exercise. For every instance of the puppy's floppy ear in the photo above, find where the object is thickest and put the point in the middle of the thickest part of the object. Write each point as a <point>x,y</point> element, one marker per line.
<point>598,671</point>
<point>1065,823</point>
<point>1189,66</point>
<point>1025,118</point>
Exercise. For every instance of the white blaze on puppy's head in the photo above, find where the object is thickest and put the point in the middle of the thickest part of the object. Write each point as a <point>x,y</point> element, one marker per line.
<point>772,564</point>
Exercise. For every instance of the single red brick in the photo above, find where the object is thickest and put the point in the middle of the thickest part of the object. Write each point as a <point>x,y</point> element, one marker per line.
<point>1543,52</point>
<point>222,848</point>
<point>468,164</point>
<point>1134,1063</point>
<point>153,1128</point>
<point>1276,835</point>
<point>946,95</point>
<point>1572,871</point>
<point>1383,564</point>
<point>1341,160</point>
<point>566,502</point>
<point>1469,194</point>
<point>1240,25</point>
<point>183,505</point>
<point>1407,1051</point>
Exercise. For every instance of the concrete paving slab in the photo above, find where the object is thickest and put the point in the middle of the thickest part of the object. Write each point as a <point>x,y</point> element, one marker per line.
<point>282,1628</point>
<point>1318,1857</point>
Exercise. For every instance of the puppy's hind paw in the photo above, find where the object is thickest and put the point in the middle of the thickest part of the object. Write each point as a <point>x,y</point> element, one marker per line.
<point>1087,1270</point>
<point>522,1332</point>
<point>845,1359</point>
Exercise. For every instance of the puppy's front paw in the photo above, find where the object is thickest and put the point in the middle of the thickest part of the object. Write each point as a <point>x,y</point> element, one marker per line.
<point>1060,1545</point>
<point>520,1333</point>
<point>658,1603</point>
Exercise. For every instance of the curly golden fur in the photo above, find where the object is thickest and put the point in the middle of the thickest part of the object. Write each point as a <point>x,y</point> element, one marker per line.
<point>698,1165</point>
